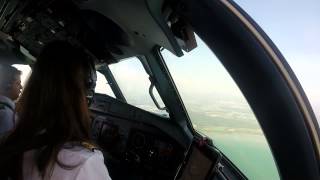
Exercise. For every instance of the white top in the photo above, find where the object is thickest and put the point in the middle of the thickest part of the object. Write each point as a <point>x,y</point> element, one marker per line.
<point>88,165</point>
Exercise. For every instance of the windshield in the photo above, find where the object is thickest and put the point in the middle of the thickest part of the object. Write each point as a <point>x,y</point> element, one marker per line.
<point>26,71</point>
<point>102,85</point>
<point>218,109</point>
<point>134,83</point>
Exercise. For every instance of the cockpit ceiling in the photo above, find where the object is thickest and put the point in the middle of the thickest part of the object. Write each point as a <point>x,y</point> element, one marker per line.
<point>142,21</point>
<point>110,29</point>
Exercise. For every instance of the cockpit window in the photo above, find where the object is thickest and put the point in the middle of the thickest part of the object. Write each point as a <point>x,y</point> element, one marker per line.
<point>218,109</point>
<point>102,85</point>
<point>134,83</point>
<point>26,71</point>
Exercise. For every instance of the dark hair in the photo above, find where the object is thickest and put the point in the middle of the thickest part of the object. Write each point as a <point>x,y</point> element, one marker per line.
<point>8,75</point>
<point>52,109</point>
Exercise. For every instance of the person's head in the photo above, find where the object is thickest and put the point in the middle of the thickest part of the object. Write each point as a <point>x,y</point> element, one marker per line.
<point>53,108</point>
<point>10,81</point>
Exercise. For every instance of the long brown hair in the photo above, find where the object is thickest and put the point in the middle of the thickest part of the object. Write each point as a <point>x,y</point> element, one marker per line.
<point>52,109</point>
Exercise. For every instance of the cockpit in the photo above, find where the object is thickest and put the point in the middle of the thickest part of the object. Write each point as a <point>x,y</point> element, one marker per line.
<point>140,118</point>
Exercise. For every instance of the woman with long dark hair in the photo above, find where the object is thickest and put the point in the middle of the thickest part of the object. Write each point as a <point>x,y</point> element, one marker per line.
<point>51,139</point>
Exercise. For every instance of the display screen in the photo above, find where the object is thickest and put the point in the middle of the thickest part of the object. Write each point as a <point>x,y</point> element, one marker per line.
<point>200,163</point>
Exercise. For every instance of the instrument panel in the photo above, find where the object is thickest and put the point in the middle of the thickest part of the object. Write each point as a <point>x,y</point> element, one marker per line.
<point>136,149</point>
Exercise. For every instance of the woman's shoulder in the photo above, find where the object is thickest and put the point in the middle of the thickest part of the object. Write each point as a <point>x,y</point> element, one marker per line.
<point>71,154</point>
<point>79,153</point>
<point>89,159</point>
<point>76,161</point>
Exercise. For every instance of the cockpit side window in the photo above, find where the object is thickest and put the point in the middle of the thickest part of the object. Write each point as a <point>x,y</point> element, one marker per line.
<point>102,85</point>
<point>134,83</point>
<point>218,109</point>
<point>26,72</point>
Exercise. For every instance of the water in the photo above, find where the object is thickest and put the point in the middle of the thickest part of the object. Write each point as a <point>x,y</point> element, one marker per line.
<point>248,150</point>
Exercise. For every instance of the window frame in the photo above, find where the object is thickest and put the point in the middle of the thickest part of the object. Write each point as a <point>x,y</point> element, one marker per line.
<point>120,95</point>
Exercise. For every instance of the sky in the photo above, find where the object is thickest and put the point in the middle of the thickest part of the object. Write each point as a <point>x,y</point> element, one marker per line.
<point>294,26</point>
